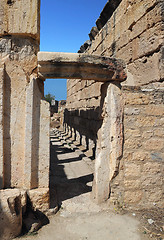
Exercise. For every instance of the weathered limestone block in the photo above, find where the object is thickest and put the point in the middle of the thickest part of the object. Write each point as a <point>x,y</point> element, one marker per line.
<point>147,21</point>
<point>94,90</point>
<point>14,118</point>
<point>20,17</point>
<point>155,195</point>
<point>93,33</point>
<point>136,98</point>
<point>154,179</point>
<point>140,8</point>
<point>20,49</point>
<point>84,46</point>
<point>125,52</point>
<point>28,134</point>
<point>158,132</point>
<point>37,152</point>
<point>1,127</point>
<point>12,204</point>
<point>144,70</point>
<point>132,184</point>
<point>36,129</point>
<point>44,145</point>
<point>153,110</point>
<point>110,142</point>
<point>148,42</point>
<point>161,63</point>
<point>39,198</point>
<point>33,97</point>
<point>80,66</point>
<point>132,170</point>
<point>154,144</point>
<point>107,13</point>
<point>133,197</point>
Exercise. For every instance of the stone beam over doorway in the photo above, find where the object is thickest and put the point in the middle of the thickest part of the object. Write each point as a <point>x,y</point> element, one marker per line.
<point>80,66</point>
<point>111,71</point>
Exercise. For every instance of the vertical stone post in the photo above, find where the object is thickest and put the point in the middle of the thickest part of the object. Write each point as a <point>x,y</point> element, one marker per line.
<point>1,127</point>
<point>37,139</point>
<point>44,145</point>
<point>19,44</point>
<point>110,142</point>
<point>29,135</point>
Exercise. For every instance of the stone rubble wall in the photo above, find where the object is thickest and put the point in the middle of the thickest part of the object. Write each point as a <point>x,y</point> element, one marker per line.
<point>134,33</point>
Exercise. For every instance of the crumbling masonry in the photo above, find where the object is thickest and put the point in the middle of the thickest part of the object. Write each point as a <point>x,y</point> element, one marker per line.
<point>114,108</point>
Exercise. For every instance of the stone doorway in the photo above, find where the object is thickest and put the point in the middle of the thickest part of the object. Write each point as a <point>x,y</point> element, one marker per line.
<point>71,170</point>
<point>109,135</point>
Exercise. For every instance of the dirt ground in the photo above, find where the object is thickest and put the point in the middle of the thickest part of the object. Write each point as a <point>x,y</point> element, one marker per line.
<point>79,218</point>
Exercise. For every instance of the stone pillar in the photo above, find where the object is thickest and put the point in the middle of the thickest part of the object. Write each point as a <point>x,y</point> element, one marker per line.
<point>19,44</point>
<point>110,142</point>
<point>32,133</point>
<point>1,127</point>
<point>37,139</point>
<point>28,134</point>
<point>44,145</point>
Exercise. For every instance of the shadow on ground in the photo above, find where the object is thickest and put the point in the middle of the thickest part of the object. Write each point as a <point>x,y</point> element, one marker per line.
<point>62,188</point>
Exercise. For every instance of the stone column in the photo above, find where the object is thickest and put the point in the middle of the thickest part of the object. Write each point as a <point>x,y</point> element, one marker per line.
<point>110,142</point>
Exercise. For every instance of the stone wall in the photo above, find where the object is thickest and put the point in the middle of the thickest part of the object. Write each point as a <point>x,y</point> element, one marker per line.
<point>134,34</point>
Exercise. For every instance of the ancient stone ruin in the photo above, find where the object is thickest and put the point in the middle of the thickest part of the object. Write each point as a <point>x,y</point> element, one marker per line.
<point>114,106</point>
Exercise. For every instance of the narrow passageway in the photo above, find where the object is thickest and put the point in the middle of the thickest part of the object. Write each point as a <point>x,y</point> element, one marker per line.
<point>79,217</point>
<point>71,171</point>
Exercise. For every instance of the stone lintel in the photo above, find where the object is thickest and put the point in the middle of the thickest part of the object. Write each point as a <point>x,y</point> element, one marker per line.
<point>80,66</point>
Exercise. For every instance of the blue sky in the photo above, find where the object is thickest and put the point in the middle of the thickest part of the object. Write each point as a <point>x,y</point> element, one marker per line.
<point>65,25</point>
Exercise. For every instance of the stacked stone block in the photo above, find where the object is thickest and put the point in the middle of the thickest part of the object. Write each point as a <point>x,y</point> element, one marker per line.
<point>134,33</point>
